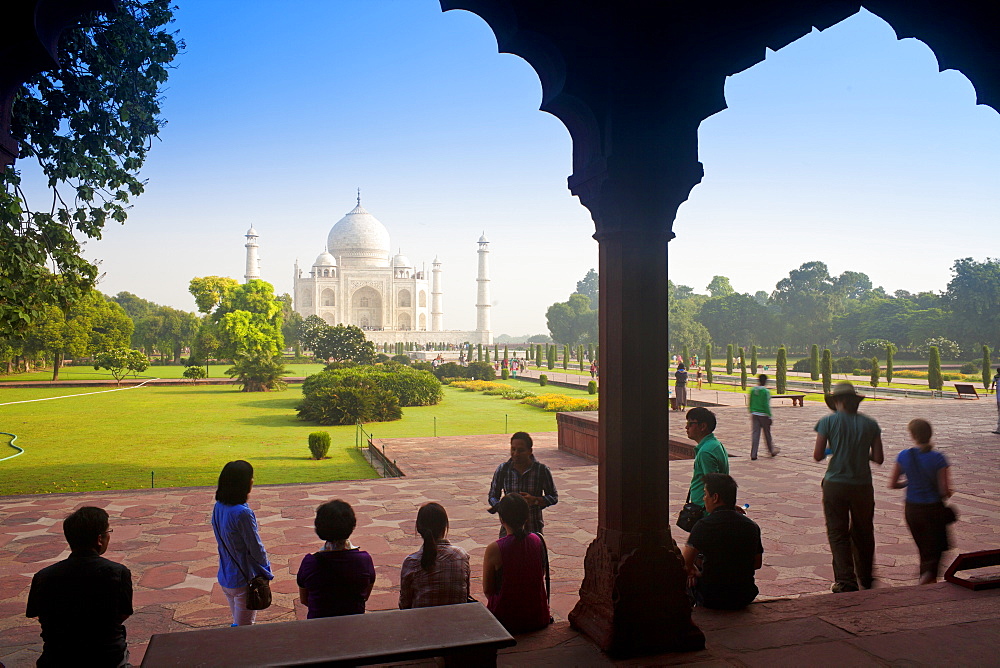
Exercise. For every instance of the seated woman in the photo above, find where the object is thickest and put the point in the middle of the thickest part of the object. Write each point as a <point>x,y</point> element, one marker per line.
<point>338,579</point>
<point>437,573</point>
<point>514,570</point>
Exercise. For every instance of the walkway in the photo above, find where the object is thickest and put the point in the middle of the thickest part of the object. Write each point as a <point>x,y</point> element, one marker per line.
<point>164,535</point>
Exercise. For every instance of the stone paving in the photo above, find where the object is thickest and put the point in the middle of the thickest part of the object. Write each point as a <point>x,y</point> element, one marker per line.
<point>165,538</point>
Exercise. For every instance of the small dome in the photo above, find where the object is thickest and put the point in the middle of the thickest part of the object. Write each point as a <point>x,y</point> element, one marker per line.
<point>252,232</point>
<point>325,260</point>
<point>483,239</point>
<point>402,261</point>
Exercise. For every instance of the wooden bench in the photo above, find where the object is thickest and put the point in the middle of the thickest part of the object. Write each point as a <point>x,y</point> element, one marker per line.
<point>797,399</point>
<point>467,634</point>
<point>965,391</point>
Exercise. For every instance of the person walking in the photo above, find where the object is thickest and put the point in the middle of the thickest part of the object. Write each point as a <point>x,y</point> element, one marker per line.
<point>242,556</point>
<point>760,417</point>
<point>928,485</point>
<point>853,440</point>
<point>680,387</point>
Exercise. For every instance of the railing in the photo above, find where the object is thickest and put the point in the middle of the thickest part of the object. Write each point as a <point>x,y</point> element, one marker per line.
<point>364,441</point>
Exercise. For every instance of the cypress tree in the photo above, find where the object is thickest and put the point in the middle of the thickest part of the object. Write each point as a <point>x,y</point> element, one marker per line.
<point>579,355</point>
<point>506,353</point>
<point>686,356</point>
<point>565,356</point>
<point>753,360</point>
<point>551,358</point>
<point>708,363</point>
<point>814,362</point>
<point>590,351</point>
<point>986,367</point>
<point>487,360</point>
<point>743,370</point>
<point>889,351</point>
<point>729,359</point>
<point>934,380</point>
<point>827,371</point>
<point>781,371</point>
<point>479,352</point>
<point>875,372</point>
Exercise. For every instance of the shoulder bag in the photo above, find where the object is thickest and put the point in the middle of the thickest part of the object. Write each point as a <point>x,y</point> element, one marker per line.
<point>548,583</point>
<point>690,514</point>
<point>948,513</point>
<point>258,588</point>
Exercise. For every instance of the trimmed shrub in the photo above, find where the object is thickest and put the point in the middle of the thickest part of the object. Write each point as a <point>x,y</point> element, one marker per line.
<point>814,362</point>
<point>805,365</point>
<point>481,371</point>
<point>708,363</point>
<point>987,381</point>
<point>366,393</point>
<point>935,380</point>
<point>875,372</point>
<point>349,405</point>
<point>592,387</point>
<point>970,368</point>
<point>781,371</point>
<point>753,360</point>
<point>890,350</point>
<point>743,370</point>
<point>319,444</point>
<point>401,359</point>
<point>729,359</point>
<point>194,373</point>
<point>543,380</point>
<point>422,366</point>
<point>504,374</point>
<point>827,371</point>
<point>382,358</point>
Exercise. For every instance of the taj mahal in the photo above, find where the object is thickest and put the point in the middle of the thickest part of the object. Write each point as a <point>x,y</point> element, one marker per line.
<point>356,281</point>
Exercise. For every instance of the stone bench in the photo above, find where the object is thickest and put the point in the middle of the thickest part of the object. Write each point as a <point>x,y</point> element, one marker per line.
<point>797,399</point>
<point>466,634</point>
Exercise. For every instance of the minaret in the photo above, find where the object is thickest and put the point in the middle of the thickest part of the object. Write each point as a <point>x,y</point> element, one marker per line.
<point>253,265</point>
<point>437,316</point>
<point>483,298</point>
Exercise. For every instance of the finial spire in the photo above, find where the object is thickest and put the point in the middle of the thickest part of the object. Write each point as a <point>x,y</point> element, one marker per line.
<point>359,196</point>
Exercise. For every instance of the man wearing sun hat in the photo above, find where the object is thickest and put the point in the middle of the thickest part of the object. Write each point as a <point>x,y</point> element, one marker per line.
<point>852,440</point>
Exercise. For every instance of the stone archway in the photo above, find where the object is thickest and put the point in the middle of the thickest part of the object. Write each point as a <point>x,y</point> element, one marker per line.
<point>366,308</point>
<point>405,322</point>
<point>327,298</point>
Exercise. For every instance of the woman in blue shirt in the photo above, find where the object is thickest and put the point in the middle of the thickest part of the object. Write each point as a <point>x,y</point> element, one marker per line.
<point>928,484</point>
<point>242,556</point>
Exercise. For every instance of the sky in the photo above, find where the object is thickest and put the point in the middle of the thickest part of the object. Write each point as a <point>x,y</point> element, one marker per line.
<point>847,146</point>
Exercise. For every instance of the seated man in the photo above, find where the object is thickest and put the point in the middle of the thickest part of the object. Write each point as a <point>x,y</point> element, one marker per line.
<point>82,601</point>
<point>729,547</point>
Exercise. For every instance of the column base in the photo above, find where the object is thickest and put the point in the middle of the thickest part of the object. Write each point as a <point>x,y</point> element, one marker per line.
<point>636,604</point>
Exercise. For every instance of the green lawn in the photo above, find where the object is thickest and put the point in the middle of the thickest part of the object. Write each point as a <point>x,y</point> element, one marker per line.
<point>101,440</point>
<point>88,373</point>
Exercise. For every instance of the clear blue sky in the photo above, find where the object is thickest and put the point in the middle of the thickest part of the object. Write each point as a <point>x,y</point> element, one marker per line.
<point>847,146</point>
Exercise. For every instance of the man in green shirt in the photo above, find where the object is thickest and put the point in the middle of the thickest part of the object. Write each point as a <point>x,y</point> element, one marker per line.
<point>709,455</point>
<point>760,417</point>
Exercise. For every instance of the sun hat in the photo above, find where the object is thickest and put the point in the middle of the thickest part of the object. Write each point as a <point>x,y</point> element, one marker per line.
<point>843,391</point>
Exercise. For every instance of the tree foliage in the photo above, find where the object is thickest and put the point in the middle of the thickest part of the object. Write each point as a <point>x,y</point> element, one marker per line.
<point>88,125</point>
<point>827,371</point>
<point>339,343</point>
<point>781,371</point>
<point>573,321</point>
<point>934,380</point>
<point>121,361</point>
<point>986,367</point>
<point>875,372</point>
<point>589,286</point>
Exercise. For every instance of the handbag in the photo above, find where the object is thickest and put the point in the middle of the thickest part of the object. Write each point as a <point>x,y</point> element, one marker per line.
<point>690,514</point>
<point>258,587</point>
<point>948,513</point>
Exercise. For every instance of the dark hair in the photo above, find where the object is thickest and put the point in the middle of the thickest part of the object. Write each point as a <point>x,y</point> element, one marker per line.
<point>523,436</point>
<point>513,510</point>
<point>762,379</point>
<point>921,431</point>
<point>723,485</point>
<point>703,415</point>
<point>84,526</point>
<point>335,520</point>
<point>432,522</point>
<point>680,367</point>
<point>234,483</point>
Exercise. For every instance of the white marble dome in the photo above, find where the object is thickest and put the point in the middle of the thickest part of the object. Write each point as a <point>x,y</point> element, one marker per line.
<point>325,260</point>
<point>360,240</point>
<point>401,261</point>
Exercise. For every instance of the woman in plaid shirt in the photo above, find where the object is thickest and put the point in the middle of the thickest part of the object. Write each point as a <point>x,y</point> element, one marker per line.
<point>437,573</point>
<point>526,477</point>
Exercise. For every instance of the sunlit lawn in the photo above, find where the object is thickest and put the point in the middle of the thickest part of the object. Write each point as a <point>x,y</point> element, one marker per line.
<point>88,372</point>
<point>114,440</point>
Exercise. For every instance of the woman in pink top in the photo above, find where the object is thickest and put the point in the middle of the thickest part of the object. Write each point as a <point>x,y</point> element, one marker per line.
<point>514,570</point>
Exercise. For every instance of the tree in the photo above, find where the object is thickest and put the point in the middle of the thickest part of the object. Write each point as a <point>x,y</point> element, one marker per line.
<point>579,356</point>
<point>949,350</point>
<point>875,372</point>
<point>720,287</point>
<point>890,350</point>
<point>708,363</point>
<point>736,317</point>
<point>551,357</point>
<point>973,294</point>
<point>291,322</point>
<point>686,356</point>
<point>135,307</point>
<point>194,373</point>
<point>729,359</point>
<point>88,124</point>
<point>808,299</point>
<point>753,360</point>
<point>827,371</point>
<point>781,371</point>
<point>506,352</point>
<point>589,287</point>
<point>487,360</point>
<point>343,343</point>
<point>573,320</point>
<point>565,356</point>
<point>743,369</point>
<point>121,362</point>
<point>934,380</point>
<point>814,362</point>
<point>479,352</point>
<point>986,367</point>
<point>209,291</point>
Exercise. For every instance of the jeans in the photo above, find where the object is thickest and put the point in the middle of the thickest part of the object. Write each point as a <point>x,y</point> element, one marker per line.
<point>850,528</point>
<point>760,423</point>
<point>237,597</point>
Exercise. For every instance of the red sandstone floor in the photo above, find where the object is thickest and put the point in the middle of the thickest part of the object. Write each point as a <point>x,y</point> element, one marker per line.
<point>164,537</point>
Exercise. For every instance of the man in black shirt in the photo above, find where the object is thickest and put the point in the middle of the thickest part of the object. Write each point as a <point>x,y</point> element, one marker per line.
<point>82,601</point>
<point>729,547</point>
